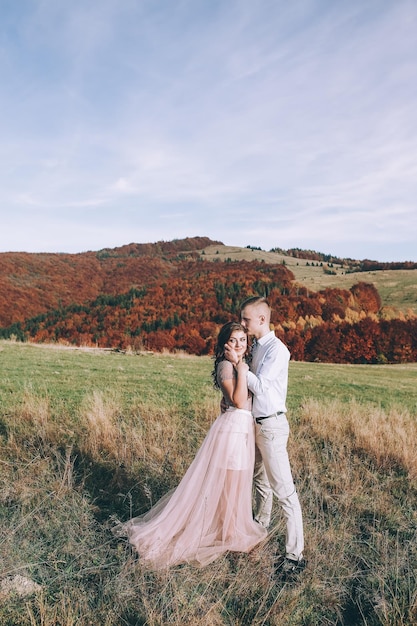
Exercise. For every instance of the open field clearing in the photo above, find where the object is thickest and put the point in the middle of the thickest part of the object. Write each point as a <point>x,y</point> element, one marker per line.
<point>397,288</point>
<point>88,437</point>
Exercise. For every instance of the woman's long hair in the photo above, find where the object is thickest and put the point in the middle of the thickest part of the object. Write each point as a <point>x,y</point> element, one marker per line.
<point>222,339</point>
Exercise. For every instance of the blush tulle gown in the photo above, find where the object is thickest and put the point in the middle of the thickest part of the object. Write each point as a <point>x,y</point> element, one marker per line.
<point>210,511</point>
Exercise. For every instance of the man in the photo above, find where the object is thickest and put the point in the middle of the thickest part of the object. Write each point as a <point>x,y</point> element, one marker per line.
<point>268,380</point>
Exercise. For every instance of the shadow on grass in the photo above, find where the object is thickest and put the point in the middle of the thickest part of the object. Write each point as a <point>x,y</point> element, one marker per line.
<point>114,490</point>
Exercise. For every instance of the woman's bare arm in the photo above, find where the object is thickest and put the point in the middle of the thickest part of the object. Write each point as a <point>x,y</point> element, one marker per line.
<point>236,390</point>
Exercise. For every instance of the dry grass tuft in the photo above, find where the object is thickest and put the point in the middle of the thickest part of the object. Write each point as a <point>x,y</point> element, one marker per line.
<point>103,433</point>
<point>388,437</point>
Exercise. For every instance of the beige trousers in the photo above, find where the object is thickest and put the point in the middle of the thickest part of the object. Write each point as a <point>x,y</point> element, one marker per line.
<point>272,475</point>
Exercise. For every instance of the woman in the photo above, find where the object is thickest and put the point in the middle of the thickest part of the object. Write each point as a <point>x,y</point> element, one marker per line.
<point>210,512</point>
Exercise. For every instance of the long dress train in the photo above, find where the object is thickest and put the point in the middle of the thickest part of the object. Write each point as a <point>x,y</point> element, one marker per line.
<point>210,512</point>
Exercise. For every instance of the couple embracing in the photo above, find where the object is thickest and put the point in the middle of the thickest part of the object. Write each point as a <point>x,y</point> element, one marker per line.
<point>210,512</point>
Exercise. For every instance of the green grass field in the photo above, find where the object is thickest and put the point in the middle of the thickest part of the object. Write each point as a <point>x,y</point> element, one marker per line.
<point>67,375</point>
<point>88,437</point>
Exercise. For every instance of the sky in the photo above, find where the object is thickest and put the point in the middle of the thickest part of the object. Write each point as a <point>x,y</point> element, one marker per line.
<point>267,123</point>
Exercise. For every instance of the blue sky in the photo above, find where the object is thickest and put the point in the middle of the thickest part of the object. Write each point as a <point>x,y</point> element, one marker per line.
<point>254,122</point>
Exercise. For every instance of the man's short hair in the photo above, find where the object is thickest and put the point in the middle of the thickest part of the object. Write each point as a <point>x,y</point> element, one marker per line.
<point>254,301</point>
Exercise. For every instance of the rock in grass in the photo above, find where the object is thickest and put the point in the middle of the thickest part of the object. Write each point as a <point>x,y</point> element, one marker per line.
<point>18,585</point>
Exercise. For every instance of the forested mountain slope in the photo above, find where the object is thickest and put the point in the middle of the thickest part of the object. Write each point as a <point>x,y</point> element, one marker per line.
<point>174,296</point>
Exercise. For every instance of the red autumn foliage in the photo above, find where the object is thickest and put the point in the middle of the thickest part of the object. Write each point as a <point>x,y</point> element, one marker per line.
<point>366,297</point>
<point>165,296</point>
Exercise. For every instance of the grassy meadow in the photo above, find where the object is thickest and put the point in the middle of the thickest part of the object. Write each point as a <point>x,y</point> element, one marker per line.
<point>89,437</point>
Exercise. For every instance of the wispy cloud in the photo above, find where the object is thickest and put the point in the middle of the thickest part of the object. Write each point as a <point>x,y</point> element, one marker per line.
<point>275,124</point>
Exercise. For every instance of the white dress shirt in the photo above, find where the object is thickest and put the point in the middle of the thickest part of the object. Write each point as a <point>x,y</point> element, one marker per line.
<point>268,376</point>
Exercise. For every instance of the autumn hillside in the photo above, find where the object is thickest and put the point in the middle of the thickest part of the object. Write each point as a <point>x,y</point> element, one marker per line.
<point>175,295</point>
<point>32,283</point>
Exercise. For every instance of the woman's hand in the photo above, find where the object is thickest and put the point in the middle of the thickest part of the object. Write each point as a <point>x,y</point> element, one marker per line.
<point>242,367</point>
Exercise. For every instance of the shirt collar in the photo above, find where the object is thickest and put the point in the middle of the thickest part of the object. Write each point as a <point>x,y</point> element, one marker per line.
<point>263,340</point>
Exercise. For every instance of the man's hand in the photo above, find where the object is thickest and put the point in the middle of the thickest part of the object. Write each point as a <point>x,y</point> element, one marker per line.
<point>231,355</point>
